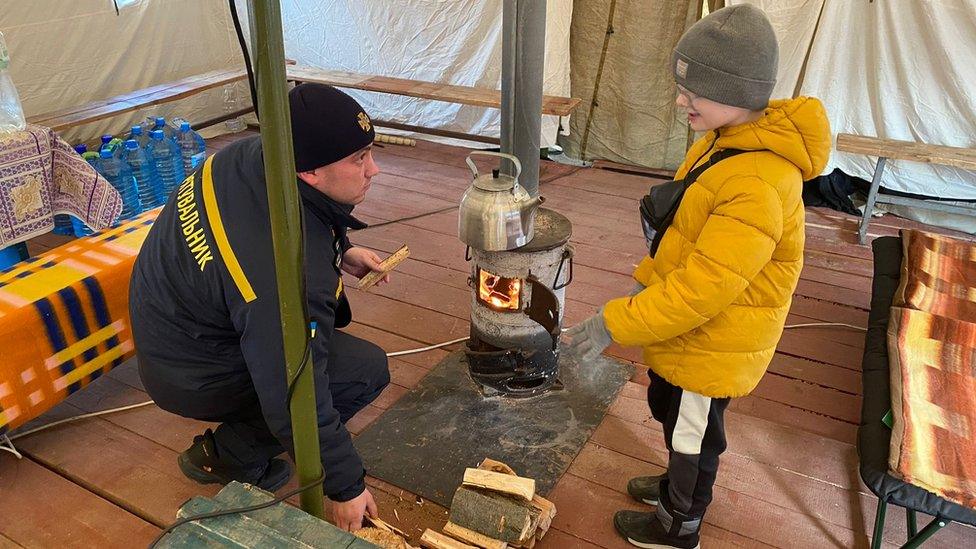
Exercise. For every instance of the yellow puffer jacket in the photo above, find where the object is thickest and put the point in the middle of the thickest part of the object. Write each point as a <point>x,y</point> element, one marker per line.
<point>721,284</point>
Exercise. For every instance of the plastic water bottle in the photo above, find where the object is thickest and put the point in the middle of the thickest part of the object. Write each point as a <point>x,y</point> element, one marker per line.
<point>192,147</point>
<point>118,174</point>
<point>11,113</point>
<point>142,169</point>
<point>160,124</point>
<point>88,156</point>
<point>235,124</point>
<point>140,137</point>
<point>166,157</point>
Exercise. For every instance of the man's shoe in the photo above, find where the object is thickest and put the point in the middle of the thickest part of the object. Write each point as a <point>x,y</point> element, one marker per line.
<point>646,489</point>
<point>645,530</point>
<point>200,463</point>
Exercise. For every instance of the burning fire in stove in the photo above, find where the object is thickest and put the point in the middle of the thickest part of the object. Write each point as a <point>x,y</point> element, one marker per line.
<point>499,292</point>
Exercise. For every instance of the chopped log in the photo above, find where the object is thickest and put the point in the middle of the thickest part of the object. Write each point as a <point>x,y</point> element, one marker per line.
<point>494,515</point>
<point>435,540</point>
<point>546,507</point>
<point>472,537</point>
<point>522,488</point>
<point>386,266</point>
<point>489,464</point>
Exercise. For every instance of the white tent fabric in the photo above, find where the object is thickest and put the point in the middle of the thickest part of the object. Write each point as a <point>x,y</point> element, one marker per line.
<point>899,69</point>
<point>65,54</point>
<point>456,42</point>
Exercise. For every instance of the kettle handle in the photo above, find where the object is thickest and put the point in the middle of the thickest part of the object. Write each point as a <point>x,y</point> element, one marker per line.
<point>514,160</point>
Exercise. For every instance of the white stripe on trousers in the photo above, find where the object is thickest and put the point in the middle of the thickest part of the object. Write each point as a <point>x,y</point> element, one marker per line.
<point>689,428</point>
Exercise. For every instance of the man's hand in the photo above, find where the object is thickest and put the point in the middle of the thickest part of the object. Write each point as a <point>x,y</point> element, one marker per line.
<point>360,261</point>
<point>348,515</point>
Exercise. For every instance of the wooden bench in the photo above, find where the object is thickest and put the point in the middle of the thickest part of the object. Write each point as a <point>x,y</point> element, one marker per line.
<point>465,95</point>
<point>172,91</point>
<point>133,101</point>
<point>905,150</point>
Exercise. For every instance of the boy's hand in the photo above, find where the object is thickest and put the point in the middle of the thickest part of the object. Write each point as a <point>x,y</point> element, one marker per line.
<point>590,337</point>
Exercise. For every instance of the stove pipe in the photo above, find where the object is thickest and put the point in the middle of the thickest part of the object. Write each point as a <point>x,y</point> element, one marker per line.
<point>523,56</point>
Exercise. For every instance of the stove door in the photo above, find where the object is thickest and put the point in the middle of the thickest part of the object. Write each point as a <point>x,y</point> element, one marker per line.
<point>544,308</point>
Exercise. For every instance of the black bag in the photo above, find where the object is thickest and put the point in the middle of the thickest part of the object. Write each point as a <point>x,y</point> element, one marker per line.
<point>658,207</point>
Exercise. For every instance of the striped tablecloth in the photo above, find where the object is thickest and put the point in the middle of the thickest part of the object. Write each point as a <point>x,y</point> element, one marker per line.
<point>64,319</point>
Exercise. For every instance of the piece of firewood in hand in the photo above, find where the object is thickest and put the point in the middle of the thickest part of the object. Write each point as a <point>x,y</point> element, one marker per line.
<point>386,266</point>
<point>436,540</point>
<point>522,488</point>
<point>383,525</point>
<point>475,538</point>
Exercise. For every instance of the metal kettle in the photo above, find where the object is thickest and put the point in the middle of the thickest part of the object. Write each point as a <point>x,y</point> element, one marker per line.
<point>496,213</point>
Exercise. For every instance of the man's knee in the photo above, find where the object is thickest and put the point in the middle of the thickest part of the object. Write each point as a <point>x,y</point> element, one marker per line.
<point>377,367</point>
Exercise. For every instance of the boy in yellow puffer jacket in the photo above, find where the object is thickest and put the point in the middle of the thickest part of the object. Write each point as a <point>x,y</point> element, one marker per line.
<point>712,301</point>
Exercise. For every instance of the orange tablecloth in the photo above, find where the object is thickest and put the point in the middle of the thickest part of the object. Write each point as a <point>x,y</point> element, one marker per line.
<point>64,319</point>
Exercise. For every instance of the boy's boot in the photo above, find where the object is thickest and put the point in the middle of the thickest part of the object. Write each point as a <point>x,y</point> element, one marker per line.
<point>646,489</point>
<point>649,530</point>
<point>201,462</point>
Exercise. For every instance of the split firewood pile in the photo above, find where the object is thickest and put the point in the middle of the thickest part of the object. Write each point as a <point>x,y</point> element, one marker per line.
<point>493,509</point>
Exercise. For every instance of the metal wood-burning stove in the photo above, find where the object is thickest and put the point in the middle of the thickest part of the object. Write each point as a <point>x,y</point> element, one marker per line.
<point>521,263</point>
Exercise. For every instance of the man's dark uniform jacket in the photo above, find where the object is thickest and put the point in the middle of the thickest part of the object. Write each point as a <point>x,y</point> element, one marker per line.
<point>204,303</point>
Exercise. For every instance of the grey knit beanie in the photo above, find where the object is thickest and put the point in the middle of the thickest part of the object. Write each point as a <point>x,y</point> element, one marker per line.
<point>730,57</point>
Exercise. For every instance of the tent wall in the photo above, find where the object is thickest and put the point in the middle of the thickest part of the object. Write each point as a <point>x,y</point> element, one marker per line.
<point>635,120</point>
<point>899,69</point>
<point>457,42</point>
<point>65,54</point>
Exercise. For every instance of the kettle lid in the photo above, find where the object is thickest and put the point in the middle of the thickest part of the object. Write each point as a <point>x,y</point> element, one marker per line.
<point>495,181</point>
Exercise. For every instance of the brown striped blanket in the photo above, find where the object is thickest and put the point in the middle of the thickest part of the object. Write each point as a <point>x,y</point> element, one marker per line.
<point>932,345</point>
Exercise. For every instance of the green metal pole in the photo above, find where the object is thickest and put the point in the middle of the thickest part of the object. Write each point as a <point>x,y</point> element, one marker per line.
<point>286,231</point>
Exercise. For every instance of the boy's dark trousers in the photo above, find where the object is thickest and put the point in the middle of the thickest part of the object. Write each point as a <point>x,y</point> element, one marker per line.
<point>358,373</point>
<point>694,431</point>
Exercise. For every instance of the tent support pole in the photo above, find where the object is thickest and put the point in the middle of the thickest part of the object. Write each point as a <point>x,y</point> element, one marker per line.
<point>287,237</point>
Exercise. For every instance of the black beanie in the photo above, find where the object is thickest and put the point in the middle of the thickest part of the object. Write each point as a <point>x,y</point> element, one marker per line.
<point>327,125</point>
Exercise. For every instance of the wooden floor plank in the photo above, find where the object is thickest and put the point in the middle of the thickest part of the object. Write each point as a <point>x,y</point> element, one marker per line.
<point>38,508</point>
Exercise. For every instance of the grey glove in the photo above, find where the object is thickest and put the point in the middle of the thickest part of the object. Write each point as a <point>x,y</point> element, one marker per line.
<point>590,337</point>
<point>638,288</point>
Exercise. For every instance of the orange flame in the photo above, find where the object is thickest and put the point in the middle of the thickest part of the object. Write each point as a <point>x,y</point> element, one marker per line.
<point>499,292</point>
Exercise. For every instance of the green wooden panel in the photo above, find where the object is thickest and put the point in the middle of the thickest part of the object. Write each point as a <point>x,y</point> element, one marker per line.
<point>279,526</point>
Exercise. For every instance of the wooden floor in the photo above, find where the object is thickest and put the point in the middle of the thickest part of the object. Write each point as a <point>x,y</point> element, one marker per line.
<point>788,479</point>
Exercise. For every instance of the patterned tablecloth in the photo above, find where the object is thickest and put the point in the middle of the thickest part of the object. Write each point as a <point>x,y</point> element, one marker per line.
<point>64,319</point>
<point>41,175</point>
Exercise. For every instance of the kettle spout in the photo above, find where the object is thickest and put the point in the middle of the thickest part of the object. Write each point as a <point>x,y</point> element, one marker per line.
<point>530,205</point>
